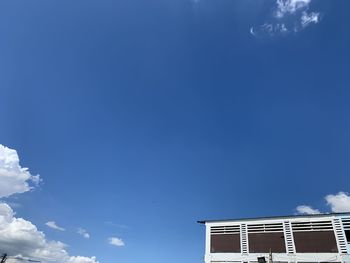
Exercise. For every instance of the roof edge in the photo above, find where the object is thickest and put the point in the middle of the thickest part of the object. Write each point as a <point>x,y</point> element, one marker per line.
<point>272,217</point>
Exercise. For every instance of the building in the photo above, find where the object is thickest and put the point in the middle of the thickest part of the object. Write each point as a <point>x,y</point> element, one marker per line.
<point>299,239</point>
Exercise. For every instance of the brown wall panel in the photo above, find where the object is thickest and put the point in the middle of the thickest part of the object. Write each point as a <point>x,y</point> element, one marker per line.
<point>315,241</point>
<point>225,243</point>
<point>263,242</point>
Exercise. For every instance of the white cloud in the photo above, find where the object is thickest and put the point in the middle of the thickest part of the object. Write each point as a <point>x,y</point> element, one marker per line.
<point>83,233</point>
<point>13,178</point>
<point>307,210</point>
<point>52,224</point>
<point>290,6</point>
<point>19,237</point>
<point>339,202</point>
<point>116,242</point>
<point>288,16</point>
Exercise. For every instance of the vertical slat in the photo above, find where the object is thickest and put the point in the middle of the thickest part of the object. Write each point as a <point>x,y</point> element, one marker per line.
<point>288,237</point>
<point>340,236</point>
<point>244,239</point>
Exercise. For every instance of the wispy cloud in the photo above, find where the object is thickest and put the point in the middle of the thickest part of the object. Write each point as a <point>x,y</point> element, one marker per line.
<point>83,233</point>
<point>14,179</point>
<point>307,210</point>
<point>288,16</point>
<point>309,18</point>
<point>115,241</point>
<point>110,223</point>
<point>52,224</point>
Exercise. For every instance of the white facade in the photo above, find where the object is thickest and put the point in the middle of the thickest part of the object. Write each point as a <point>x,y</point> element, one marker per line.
<point>288,227</point>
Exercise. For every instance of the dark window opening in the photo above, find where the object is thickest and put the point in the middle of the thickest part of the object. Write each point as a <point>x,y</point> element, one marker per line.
<point>347,234</point>
<point>266,242</point>
<point>225,243</point>
<point>315,242</point>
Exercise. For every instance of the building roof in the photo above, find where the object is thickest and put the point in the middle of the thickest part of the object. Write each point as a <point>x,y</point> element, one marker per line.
<point>274,217</point>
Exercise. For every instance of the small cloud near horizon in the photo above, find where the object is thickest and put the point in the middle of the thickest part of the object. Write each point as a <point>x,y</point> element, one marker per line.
<point>307,210</point>
<point>338,203</point>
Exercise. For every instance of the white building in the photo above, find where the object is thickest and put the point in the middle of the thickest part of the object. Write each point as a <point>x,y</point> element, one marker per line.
<point>299,239</point>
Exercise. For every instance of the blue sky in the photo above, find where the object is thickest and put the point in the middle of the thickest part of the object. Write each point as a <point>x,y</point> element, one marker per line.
<point>142,117</point>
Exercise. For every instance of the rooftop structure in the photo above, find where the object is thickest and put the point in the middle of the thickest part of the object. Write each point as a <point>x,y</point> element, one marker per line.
<point>299,239</point>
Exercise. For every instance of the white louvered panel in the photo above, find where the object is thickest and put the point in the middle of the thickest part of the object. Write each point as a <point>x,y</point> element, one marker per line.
<point>346,223</point>
<point>219,230</point>
<point>244,239</point>
<point>288,237</point>
<point>340,236</point>
<point>264,228</point>
<point>312,226</point>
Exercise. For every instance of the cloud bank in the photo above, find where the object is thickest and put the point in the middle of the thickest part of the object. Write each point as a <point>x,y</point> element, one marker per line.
<point>14,179</point>
<point>20,237</point>
<point>288,16</point>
